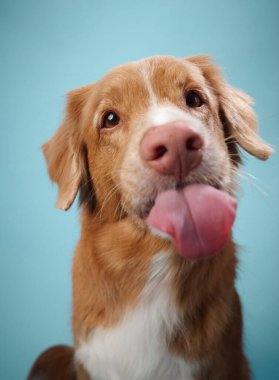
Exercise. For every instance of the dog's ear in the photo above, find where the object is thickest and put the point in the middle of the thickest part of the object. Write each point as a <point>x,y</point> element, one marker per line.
<point>235,110</point>
<point>64,152</point>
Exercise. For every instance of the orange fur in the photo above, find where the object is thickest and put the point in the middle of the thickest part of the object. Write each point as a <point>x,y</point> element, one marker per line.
<point>111,262</point>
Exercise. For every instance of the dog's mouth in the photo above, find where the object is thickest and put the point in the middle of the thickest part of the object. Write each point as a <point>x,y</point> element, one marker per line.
<point>198,218</point>
<point>145,207</point>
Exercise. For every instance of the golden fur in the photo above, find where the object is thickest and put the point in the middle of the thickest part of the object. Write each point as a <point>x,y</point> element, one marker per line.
<point>111,262</point>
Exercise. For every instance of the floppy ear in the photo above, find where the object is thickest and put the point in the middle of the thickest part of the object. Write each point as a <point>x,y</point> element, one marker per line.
<point>64,151</point>
<point>235,110</point>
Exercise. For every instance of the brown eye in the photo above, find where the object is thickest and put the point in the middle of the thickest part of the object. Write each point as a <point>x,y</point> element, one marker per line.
<point>193,99</point>
<point>110,120</point>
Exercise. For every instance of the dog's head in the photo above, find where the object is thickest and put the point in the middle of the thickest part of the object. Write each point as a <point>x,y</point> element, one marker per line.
<point>149,126</point>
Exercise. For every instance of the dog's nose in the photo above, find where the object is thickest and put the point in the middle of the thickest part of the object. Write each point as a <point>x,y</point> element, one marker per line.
<point>173,148</point>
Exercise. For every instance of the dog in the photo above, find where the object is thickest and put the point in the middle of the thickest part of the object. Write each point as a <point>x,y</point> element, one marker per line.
<point>141,309</point>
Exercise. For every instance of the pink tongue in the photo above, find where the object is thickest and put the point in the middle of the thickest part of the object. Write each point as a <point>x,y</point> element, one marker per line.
<point>199,219</point>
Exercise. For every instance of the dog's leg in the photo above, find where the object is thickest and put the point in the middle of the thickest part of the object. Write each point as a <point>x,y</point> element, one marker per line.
<point>56,363</point>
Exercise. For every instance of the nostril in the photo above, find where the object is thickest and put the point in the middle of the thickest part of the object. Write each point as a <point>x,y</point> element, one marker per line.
<point>159,151</point>
<point>194,143</point>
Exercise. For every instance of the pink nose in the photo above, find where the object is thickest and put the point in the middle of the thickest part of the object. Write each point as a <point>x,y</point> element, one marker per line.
<point>173,148</point>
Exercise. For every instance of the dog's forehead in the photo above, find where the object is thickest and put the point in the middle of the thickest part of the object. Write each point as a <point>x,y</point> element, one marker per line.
<point>158,68</point>
<point>154,76</point>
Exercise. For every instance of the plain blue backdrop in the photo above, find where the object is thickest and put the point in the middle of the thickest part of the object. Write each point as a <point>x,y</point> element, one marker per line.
<point>50,47</point>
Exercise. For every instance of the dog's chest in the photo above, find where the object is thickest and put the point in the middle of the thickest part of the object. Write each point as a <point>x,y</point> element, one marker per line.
<point>136,348</point>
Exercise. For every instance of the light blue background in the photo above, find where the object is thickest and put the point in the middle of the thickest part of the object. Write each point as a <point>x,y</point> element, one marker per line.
<point>50,47</point>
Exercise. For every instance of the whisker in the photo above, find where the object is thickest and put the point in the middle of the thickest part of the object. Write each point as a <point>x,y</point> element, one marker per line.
<point>108,197</point>
<point>229,138</point>
<point>252,180</point>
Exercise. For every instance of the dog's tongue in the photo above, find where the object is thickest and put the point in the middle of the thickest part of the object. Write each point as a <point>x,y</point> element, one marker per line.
<point>199,219</point>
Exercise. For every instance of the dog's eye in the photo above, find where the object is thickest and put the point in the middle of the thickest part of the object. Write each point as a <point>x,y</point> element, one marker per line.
<point>110,120</point>
<point>194,99</point>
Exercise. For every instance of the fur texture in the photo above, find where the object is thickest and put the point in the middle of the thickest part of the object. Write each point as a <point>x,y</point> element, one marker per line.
<point>140,311</point>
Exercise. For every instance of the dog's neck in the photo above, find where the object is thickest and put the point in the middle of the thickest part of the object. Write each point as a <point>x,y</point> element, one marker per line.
<point>124,248</point>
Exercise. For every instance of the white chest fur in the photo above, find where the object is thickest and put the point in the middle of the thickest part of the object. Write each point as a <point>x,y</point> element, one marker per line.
<point>136,349</point>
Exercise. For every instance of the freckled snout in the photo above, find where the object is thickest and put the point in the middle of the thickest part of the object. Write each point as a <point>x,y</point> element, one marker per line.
<point>173,148</point>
